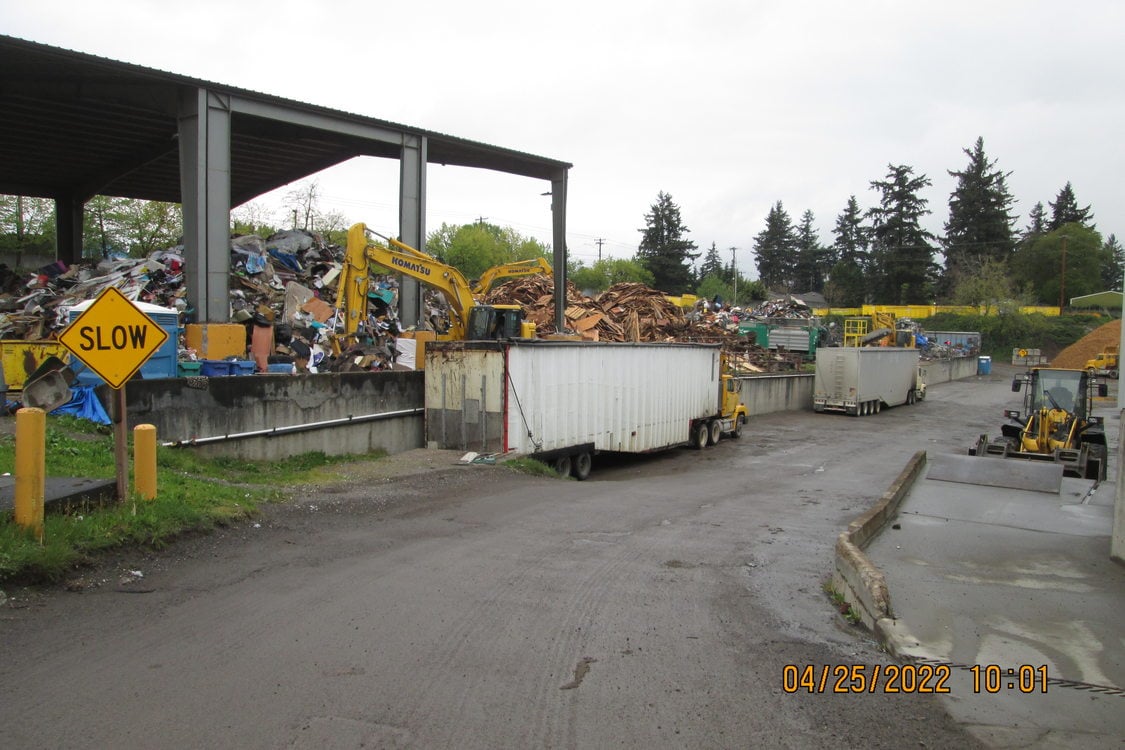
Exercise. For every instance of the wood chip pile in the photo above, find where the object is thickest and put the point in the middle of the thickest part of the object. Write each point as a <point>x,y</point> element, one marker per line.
<point>1089,346</point>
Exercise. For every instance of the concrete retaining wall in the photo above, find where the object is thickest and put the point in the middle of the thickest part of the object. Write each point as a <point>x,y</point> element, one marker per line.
<point>945,370</point>
<point>348,413</point>
<point>862,584</point>
<point>311,412</point>
<point>765,394</point>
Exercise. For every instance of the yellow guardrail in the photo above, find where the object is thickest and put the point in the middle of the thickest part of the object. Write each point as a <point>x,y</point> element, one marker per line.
<point>926,311</point>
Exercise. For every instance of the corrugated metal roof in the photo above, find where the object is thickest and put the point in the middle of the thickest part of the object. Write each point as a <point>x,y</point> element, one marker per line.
<point>78,124</point>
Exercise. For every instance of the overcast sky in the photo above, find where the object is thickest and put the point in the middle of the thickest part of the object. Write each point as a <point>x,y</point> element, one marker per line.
<point>727,106</point>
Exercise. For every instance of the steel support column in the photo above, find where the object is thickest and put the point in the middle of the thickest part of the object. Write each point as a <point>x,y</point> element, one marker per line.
<point>205,135</point>
<point>412,219</point>
<point>558,225</point>
<point>68,229</point>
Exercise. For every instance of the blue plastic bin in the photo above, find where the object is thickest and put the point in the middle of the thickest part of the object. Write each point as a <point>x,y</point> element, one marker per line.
<point>244,367</point>
<point>215,368</point>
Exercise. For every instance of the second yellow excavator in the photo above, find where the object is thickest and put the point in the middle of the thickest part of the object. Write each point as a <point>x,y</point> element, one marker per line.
<point>507,270</point>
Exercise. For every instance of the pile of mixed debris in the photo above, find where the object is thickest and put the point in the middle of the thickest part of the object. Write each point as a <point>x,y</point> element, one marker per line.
<point>288,281</point>
<point>631,311</point>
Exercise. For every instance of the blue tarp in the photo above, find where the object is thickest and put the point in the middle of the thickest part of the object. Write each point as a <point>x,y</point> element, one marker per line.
<point>84,404</point>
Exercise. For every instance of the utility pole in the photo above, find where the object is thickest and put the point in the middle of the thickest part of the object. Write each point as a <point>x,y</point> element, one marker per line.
<point>599,242</point>
<point>1062,277</point>
<point>734,268</point>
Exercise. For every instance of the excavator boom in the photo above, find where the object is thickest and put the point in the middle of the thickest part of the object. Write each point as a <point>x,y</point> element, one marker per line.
<point>355,278</point>
<point>516,268</point>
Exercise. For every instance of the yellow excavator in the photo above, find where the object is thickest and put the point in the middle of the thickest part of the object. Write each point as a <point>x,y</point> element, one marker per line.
<point>507,270</point>
<point>468,319</point>
<point>1056,424</point>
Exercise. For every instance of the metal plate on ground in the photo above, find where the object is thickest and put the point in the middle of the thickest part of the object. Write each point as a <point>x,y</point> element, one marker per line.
<point>1013,473</point>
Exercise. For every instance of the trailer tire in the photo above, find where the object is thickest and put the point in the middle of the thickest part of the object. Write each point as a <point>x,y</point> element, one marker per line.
<point>699,436</point>
<point>736,433</point>
<point>715,430</point>
<point>562,466</point>
<point>582,463</point>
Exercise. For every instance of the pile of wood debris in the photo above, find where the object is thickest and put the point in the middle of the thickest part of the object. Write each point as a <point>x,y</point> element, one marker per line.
<point>624,312</point>
<point>632,312</point>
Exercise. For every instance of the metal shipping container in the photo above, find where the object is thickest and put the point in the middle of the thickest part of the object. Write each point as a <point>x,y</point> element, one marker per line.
<point>862,380</point>
<point>544,396</point>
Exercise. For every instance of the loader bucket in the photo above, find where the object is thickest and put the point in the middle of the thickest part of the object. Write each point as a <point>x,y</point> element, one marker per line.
<point>1013,472</point>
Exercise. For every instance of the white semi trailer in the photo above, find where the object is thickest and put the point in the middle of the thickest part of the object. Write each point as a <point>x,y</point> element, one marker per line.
<point>564,401</point>
<point>863,380</point>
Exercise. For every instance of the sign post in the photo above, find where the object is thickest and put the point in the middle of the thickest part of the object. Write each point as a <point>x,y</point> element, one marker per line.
<point>114,339</point>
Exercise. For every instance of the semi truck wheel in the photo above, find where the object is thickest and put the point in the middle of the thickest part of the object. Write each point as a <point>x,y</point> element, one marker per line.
<point>562,466</point>
<point>715,427</point>
<point>699,436</point>
<point>736,433</point>
<point>582,464</point>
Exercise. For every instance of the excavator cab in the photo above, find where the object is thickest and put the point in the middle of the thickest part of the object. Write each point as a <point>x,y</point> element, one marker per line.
<point>497,322</point>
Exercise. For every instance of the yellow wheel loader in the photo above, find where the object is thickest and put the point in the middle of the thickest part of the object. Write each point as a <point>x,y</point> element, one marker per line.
<point>1055,424</point>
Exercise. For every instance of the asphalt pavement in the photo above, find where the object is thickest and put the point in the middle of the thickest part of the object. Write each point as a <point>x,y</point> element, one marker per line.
<point>1012,589</point>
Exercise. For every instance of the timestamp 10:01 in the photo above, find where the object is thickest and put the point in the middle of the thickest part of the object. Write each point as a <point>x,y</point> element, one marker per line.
<point>992,678</point>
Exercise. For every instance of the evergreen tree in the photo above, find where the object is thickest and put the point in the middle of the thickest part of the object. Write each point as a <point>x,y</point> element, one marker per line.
<point>1037,222</point>
<point>980,220</point>
<point>809,269</point>
<point>1065,210</point>
<point>1114,264</point>
<point>664,249</point>
<point>774,248</point>
<point>712,264</point>
<point>847,286</point>
<point>902,255</point>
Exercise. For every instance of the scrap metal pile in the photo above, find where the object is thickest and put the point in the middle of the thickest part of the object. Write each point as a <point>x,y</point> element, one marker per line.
<point>288,282</point>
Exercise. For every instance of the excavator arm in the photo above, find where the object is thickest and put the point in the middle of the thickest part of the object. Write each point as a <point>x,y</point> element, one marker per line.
<point>355,278</point>
<point>516,268</point>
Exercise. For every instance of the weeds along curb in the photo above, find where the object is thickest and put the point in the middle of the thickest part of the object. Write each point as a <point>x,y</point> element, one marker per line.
<point>860,582</point>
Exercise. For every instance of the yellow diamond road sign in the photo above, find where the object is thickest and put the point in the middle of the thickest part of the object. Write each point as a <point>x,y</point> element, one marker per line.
<point>113,337</point>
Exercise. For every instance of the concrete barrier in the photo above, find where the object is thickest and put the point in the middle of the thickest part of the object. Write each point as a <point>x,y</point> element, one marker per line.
<point>860,582</point>
<point>271,417</point>
<point>946,370</point>
<point>765,394</point>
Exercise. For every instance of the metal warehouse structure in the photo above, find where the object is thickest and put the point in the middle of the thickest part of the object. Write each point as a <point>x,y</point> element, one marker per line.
<point>74,125</point>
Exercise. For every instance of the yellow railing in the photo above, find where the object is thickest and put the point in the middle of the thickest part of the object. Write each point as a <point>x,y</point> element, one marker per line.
<point>925,311</point>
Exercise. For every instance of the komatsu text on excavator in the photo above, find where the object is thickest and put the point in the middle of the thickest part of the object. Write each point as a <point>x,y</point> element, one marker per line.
<point>468,320</point>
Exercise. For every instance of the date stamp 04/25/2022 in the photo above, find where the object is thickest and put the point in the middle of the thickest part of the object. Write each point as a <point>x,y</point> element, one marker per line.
<point>909,678</point>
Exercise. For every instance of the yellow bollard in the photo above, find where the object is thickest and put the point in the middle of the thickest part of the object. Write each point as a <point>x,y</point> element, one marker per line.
<point>144,460</point>
<point>31,441</point>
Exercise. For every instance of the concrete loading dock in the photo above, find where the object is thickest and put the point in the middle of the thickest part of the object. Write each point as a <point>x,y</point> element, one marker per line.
<point>998,571</point>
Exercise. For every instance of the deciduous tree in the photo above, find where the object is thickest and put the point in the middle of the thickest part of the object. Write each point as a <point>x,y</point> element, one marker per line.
<point>609,271</point>
<point>1039,264</point>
